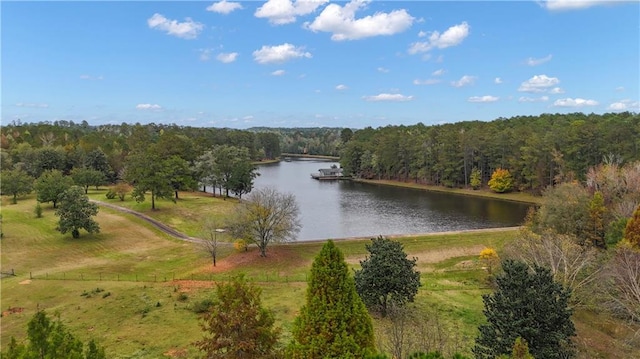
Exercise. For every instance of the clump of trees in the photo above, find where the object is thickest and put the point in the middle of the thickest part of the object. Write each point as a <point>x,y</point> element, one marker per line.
<point>387,278</point>
<point>334,322</point>
<point>51,339</point>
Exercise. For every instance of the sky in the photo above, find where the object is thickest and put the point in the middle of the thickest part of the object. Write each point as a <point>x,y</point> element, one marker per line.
<point>315,63</point>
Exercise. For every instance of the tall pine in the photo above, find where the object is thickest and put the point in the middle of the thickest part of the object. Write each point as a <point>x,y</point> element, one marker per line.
<point>334,322</point>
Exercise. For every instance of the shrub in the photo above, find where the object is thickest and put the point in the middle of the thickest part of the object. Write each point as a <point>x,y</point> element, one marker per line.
<point>111,194</point>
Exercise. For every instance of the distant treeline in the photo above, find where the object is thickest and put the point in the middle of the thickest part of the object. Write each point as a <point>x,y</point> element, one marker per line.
<point>537,150</point>
<point>309,141</point>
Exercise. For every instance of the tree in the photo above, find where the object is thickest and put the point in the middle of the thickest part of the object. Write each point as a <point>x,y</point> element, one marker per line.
<point>565,210</point>
<point>387,276</point>
<point>476,178</point>
<point>501,181</point>
<point>242,177</point>
<point>595,230</point>
<point>148,173</point>
<point>632,230</point>
<point>489,257</point>
<point>334,322</point>
<point>50,185</point>
<point>210,242</point>
<point>15,183</point>
<point>75,213</point>
<point>237,325</point>
<point>266,216</point>
<point>47,339</point>
<point>622,277</point>
<point>86,177</point>
<point>179,174</point>
<point>231,166</point>
<point>530,305</point>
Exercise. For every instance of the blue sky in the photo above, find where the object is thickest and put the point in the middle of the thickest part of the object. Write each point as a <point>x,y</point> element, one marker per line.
<point>284,63</point>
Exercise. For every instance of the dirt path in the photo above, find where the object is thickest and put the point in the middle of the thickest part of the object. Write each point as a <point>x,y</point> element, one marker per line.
<point>161,226</point>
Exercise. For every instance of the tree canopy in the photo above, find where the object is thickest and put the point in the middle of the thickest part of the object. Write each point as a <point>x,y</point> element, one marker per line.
<point>334,322</point>
<point>51,185</point>
<point>530,305</point>
<point>75,213</point>
<point>237,325</point>
<point>387,276</point>
<point>266,216</point>
<point>16,183</point>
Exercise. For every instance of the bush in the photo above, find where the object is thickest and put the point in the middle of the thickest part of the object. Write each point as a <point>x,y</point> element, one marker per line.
<point>38,210</point>
<point>241,245</point>
<point>202,306</point>
<point>111,194</point>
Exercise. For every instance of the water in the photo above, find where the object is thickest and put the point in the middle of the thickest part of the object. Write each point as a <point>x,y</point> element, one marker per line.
<point>340,209</point>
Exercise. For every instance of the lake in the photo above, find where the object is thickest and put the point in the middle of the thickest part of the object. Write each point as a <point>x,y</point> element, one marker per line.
<point>341,209</point>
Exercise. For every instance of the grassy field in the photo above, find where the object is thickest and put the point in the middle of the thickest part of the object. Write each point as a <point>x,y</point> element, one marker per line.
<point>132,279</point>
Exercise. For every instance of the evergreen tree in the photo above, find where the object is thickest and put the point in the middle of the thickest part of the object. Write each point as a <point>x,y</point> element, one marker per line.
<point>387,276</point>
<point>334,322</point>
<point>51,340</point>
<point>632,231</point>
<point>529,305</point>
<point>238,324</point>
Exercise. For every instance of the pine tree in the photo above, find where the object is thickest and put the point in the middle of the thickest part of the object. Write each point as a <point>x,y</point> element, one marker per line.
<point>529,305</point>
<point>334,322</point>
<point>632,231</point>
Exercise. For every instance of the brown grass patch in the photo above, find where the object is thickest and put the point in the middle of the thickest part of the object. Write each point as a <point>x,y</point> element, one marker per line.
<point>176,353</point>
<point>14,310</point>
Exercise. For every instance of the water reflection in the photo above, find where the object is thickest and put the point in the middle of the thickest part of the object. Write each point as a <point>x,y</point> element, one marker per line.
<point>338,209</point>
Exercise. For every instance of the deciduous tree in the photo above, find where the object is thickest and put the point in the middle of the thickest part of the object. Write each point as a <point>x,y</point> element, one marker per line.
<point>527,304</point>
<point>147,172</point>
<point>266,216</point>
<point>334,322</point>
<point>86,177</point>
<point>50,185</point>
<point>632,230</point>
<point>237,325</point>
<point>75,213</point>
<point>15,183</point>
<point>501,181</point>
<point>387,276</point>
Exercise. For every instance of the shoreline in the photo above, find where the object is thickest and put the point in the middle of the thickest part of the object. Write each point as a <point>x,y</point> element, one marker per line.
<point>404,236</point>
<point>511,197</point>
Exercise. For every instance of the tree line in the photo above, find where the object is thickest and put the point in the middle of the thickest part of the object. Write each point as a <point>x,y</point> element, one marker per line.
<point>537,150</point>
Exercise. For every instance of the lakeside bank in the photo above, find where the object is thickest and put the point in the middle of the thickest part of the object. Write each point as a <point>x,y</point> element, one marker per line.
<point>512,196</point>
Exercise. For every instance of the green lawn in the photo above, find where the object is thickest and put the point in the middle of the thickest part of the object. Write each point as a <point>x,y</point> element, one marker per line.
<point>119,283</point>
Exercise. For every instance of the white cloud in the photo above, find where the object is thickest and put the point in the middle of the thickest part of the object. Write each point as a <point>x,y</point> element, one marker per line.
<point>535,62</point>
<point>497,81</point>
<point>342,23</point>
<point>464,81</point>
<point>392,97</point>
<point>279,53</point>
<point>186,30</point>
<point>426,82</point>
<point>248,118</point>
<point>91,78</point>
<point>538,83</point>
<point>341,87</point>
<point>483,99</point>
<point>422,34</point>
<point>148,106</point>
<point>577,102</point>
<point>451,37</point>
<point>573,4</point>
<point>439,72</point>
<point>278,72</point>
<point>625,105</point>
<point>224,7</point>
<point>556,90</point>
<point>532,99</point>
<point>620,88</point>
<point>280,12</point>
<point>383,70</point>
<point>32,105</point>
<point>228,57</point>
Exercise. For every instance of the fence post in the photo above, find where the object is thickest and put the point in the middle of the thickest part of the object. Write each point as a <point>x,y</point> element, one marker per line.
<point>155,277</point>
<point>30,276</point>
<point>64,275</point>
<point>101,277</point>
<point>136,277</point>
<point>81,276</point>
<point>118,277</point>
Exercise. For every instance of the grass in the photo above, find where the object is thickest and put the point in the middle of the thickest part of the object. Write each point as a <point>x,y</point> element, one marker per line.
<point>136,265</point>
